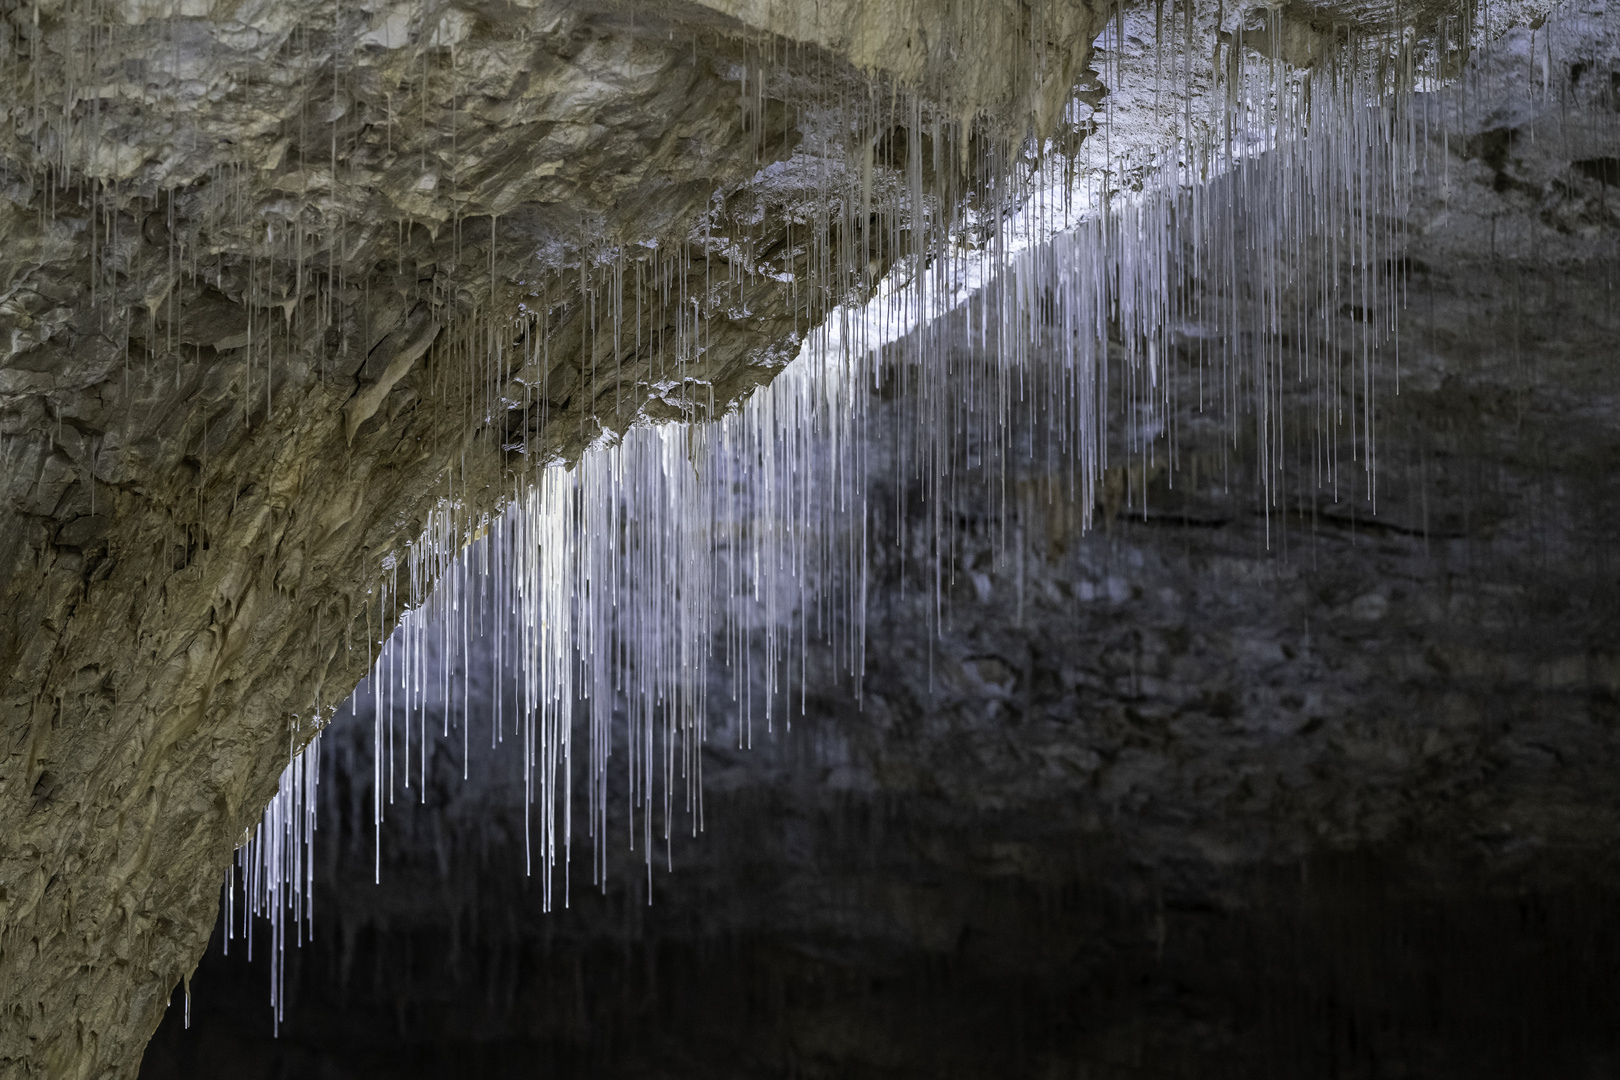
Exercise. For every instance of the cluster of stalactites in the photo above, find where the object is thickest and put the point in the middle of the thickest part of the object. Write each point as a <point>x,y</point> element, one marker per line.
<point>609,583</point>
<point>274,873</point>
<point>577,580</point>
<point>1095,318</point>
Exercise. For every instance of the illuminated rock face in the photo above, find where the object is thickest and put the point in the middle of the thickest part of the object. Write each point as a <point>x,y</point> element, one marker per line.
<point>256,261</point>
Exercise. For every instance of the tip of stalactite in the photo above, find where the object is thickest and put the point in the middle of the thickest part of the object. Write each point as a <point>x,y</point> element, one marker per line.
<point>368,399</point>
